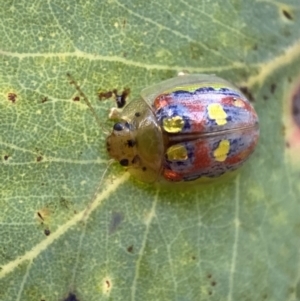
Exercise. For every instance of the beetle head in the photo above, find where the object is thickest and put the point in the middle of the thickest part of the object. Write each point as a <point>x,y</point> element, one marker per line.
<point>121,144</point>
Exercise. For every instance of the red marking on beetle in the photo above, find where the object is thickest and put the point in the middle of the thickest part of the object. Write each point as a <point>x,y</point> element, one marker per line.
<point>229,100</point>
<point>195,108</point>
<point>12,97</point>
<point>202,158</point>
<point>162,101</point>
<point>171,175</point>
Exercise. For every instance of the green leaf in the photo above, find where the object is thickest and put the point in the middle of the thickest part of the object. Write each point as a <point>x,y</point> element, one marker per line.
<point>237,240</point>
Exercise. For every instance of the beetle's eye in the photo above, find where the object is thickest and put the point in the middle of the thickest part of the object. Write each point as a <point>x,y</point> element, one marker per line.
<point>118,126</point>
<point>129,126</point>
<point>124,162</point>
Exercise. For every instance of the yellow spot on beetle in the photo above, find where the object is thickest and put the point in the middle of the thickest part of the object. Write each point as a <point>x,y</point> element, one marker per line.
<point>238,103</point>
<point>177,152</point>
<point>173,124</point>
<point>217,113</point>
<point>221,152</point>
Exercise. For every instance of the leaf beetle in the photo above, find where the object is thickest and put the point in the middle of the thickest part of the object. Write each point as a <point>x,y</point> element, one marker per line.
<point>183,129</point>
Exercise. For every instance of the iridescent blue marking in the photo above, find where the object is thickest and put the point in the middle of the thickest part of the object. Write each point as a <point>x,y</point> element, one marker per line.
<point>216,169</point>
<point>205,90</point>
<point>172,111</point>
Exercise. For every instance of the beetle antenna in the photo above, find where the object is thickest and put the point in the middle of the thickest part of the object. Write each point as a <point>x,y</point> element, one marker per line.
<point>82,94</point>
<point>90,208</point>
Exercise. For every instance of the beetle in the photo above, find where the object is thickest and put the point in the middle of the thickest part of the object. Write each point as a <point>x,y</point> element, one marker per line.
<point>183,129</point>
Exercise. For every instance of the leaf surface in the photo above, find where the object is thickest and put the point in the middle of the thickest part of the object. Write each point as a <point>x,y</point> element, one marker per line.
<point>237,240</point>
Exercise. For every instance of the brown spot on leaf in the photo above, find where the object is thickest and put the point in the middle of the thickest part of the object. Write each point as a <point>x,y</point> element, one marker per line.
<point>105,94</point>
<point>76,98</point>
<point>12,97</point>
<point>47,232</point>
<point>64,202</point>
<point>39,158</point>
<point>107,285</point>
<point>130,249</point>
<point>247,93</point>
<point>40,215</point>
<point>71,297</point>
<point>213,283</point>
<point>43,214</point>
<point>265,97</point>
<point>44,99</point>
<point>296,107</point>
<point>287,14</point>
<point>6,157</point>
<point>273,88</point>
<point>209,276</point>
<point>119,98</point>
